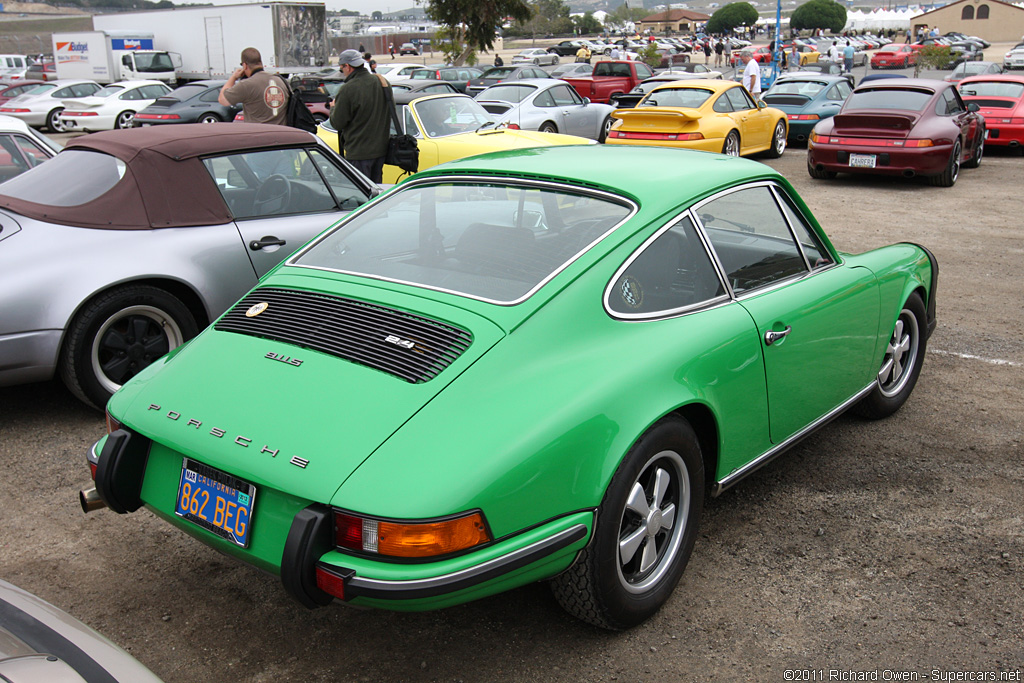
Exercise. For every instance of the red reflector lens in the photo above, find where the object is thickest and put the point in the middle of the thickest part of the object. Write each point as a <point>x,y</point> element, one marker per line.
<point>92,470</point>
<point>330,583</point>
<point>348,532</point>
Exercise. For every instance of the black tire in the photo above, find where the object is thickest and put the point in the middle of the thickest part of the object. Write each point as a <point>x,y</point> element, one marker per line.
<point>979,152</point>
<point>819,175</point>
<point>948,177</point>
<point>778,141</point>
<point>119,333</point>
<point>124,120</point>
<point>901,364</point>
<point>209,117</point>
<point>53,123</point>
<point>731,146</point>
<point>606,127</point>
<point>656,525</point>
<point>548,127</point>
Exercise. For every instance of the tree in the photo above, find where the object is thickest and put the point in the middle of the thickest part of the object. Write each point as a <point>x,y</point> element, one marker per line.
<point>650,56</point>
<point>824,14</point>
<point>732,15</point>
<point>587,24</point>
<point>624,13</point>
<point>932,57</point>
<point>472,25</point>
<point>377,15</point>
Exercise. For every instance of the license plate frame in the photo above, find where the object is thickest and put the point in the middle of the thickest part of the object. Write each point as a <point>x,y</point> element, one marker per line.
<point>202,486</point>
<point>863,160</point>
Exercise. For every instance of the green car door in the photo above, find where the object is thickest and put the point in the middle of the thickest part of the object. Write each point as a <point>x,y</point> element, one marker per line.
<point>816,318</point>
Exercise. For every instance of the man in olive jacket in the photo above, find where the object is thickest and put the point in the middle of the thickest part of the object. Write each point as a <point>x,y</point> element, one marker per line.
<point>361,117</point>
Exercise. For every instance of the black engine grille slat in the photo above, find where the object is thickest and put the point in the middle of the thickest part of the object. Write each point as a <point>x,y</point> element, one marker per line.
<point>351,329</point>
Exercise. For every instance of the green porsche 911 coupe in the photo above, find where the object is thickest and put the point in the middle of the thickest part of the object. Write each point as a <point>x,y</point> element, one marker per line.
<point>520,366</point>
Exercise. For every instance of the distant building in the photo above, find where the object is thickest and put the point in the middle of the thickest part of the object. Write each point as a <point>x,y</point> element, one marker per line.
<point>993,20</point>
<point>677,20</point>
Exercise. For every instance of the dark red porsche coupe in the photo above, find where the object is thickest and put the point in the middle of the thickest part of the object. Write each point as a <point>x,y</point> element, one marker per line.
<point>903,127</point>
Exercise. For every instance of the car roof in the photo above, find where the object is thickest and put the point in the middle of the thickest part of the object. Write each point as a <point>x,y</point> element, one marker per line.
<point>713,84</point>
<point>811,76</point>
<point>908,84</point>
<point>599,167</point>
<point>409,97</point>
<point>162,164</point>
<point>1002,78</point>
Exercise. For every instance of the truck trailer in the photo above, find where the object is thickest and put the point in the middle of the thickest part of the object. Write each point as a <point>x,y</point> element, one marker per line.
<point>291,36</point>
<point>109,56</point>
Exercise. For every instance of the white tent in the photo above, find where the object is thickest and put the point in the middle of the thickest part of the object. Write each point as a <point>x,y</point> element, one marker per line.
<point>880,19</point>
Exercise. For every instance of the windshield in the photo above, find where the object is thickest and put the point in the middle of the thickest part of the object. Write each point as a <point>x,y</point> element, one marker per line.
<point>71,178</point>
<point>971,68</point>
<point>444,116</point>
<point>153,62</point>
<point>42,88</point>
<point>493,241</point>
<point>108,91</point>
<point>507,93</point>
<point>676,97</point>
<point>992,89</point>
<point>889,98</point>
<point>498,72</point>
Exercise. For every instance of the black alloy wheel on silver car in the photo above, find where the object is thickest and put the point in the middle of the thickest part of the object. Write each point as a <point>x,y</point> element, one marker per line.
<point>119,333</point>
<point>644,532</point>
<point>901,364</point>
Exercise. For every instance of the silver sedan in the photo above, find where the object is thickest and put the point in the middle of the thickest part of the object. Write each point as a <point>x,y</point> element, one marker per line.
<point>547,105</point>
<point>128,242</point>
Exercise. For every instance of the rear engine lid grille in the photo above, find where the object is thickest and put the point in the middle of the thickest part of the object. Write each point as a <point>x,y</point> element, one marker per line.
<point>786,100</point>
<point>408,346</point>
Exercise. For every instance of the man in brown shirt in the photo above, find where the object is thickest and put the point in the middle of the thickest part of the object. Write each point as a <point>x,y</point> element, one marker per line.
<point>264,98</point>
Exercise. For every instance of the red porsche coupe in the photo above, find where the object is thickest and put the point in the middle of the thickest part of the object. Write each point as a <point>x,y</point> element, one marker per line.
<point>1000,98</point>
<point>903,127</point>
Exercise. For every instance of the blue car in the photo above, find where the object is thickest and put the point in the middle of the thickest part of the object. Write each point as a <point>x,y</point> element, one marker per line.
<point>807,99</point>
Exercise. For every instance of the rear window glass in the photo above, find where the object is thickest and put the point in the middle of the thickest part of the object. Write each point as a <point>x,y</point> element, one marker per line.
<point>992,89</point>
<point>889,98</point>
<point>71,178</point>
<point>677,97</point>
<point>495,242</point>
<point>187,92</point>
<point>507,93</point>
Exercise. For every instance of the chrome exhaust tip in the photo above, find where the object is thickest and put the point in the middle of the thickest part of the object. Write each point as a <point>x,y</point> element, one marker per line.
<point>908,173</point>
<point>90,500</point>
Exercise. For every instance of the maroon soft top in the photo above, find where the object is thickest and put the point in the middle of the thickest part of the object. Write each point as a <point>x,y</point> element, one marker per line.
<point>165,184</point>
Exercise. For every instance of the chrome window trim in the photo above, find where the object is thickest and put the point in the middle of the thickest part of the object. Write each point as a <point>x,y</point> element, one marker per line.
<point>783,200</point>
<point>670,312</point>
<point>632,206</point>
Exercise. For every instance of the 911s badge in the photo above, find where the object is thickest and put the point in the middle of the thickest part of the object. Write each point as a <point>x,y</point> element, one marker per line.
<point>283,358</point>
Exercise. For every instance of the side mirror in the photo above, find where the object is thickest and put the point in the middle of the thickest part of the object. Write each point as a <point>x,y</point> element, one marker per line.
<point>973,106</point>
<point>761,104</point>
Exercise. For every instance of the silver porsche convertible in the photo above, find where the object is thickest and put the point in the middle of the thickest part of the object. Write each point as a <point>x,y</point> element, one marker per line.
<point>128,242</point>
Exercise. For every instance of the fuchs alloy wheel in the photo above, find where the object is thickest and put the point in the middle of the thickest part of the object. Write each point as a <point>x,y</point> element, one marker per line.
<point>644,532</point>
<point>901,364</point>
<point>124,120</point>
<point>119,333</point>
<point>53,121</point>
<point>731,147</point>
<point>778,141</point>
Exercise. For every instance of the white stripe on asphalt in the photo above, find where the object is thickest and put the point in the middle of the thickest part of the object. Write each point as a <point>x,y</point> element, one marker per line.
<point>971,356</point>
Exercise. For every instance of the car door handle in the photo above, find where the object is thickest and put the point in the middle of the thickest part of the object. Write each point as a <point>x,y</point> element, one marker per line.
<point>771,336</point>
<point>266,241</point>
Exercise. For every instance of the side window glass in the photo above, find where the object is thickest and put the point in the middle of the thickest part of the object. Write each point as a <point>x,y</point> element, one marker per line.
<point>63,92</point>
<point>209,96</point>
<point>544,99</point>
<point>722,105</point>
<point>833,94</point>
<point>643,71</point>
<point>751,238</point>
<point>565,96</point>
<point>270,183</point>
<point>11,163</point>
<point>672,273</point>
<point>958,104</point>
<point>813,249</point>
<point>844,89</point>
<point>33,152</point>
<point>347,192</point>
<point>409,123</point>
<point>740,99</point>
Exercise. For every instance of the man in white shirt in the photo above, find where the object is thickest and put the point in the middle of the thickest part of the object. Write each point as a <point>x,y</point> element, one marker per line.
<point>751,74</point>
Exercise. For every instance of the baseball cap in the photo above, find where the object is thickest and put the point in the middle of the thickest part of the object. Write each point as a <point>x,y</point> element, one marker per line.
<point>350,57</point>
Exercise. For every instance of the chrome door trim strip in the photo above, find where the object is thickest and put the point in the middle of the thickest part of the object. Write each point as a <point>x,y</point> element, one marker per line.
<point>771,454</point>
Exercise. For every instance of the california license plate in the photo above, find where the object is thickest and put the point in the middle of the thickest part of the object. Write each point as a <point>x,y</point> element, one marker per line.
<point>217,501</point>
<point>862,160</point>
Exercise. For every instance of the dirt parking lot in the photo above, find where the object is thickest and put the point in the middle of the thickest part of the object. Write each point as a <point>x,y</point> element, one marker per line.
<point>892,547</point>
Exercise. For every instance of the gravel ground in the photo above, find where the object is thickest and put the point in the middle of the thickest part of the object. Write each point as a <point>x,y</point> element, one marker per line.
<point>891,547</point>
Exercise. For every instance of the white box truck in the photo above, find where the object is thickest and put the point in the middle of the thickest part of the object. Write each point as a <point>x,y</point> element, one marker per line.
<point>109,56</point>
<point>291,36</point>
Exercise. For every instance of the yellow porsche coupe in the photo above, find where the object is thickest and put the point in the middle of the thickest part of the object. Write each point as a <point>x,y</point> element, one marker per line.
<point>450,126</point>
<point>709,115</point>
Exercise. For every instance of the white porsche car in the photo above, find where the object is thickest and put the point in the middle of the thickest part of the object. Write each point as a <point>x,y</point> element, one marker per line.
<point>112,107</point>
